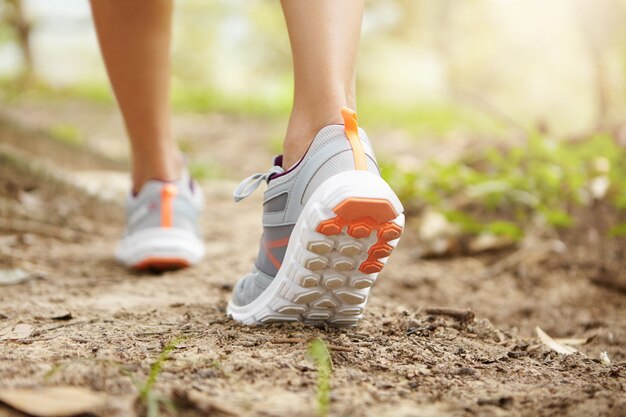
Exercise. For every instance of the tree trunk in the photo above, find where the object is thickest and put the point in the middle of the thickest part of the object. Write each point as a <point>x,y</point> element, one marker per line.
<point>19,22</point>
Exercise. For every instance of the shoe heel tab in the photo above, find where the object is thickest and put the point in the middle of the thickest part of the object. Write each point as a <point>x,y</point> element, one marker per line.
<point>351,127</point>
<point>168,193</point>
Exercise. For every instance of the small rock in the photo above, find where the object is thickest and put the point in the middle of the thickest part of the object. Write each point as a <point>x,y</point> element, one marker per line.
<point>62,315</point>
<point>604,358</point>
<point>17,332</point>
<point>488,241</point>
<point>15,276</point>
<point>465,371</point>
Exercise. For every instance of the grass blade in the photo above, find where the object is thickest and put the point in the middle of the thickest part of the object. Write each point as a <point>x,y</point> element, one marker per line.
<point>319,353</point>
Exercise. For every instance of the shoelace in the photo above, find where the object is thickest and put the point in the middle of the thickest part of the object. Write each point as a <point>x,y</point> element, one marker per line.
<point>250,184</point>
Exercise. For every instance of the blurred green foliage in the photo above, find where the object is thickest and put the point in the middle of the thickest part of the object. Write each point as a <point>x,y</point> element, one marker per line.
<point>204,170</point>
<point>427,119</point>
<point>420,120</point>
<point>66,133</point>
<point>543,180</point>
<point>206,99</point>
<point>430,68</point>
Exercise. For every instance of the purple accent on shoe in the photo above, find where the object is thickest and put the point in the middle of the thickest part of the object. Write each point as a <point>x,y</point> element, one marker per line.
<point>289,170</point>
<point>278,160</point>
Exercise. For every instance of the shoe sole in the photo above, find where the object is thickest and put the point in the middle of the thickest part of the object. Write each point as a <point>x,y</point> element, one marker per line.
<point>159,249</point>
<point>341,242</point>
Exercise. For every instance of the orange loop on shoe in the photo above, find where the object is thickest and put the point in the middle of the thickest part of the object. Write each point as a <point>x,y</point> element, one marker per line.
<point>168,192</point>
<point>352,132</point>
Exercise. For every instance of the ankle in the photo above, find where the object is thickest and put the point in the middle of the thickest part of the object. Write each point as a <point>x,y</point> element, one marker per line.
<point>303,127</point>
<point>153,167</point>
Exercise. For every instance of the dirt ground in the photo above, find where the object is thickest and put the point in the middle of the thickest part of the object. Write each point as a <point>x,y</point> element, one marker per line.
<point>90,323</point>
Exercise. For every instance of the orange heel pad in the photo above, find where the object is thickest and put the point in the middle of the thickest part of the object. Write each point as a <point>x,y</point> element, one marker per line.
<point>361,216</point>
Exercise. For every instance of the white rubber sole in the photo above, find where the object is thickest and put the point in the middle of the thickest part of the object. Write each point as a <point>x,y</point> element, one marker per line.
<point>159,248</point>
<point>341,241</point>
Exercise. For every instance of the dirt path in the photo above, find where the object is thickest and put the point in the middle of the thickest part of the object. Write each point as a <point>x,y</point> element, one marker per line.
<point>401,361</point>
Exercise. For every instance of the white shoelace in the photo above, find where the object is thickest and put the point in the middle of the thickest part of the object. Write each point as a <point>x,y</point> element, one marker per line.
<point>250,184</point>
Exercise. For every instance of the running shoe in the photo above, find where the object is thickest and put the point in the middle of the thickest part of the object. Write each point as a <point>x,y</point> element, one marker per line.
<point>330,224</point>
<point>162,226</point>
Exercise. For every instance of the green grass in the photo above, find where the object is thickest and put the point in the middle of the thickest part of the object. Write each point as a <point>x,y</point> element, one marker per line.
<point>96,92</point>
<point>146,389</point>
<point>320,355</point>
<point>147,395</point>
<point>420,119</point>
<point>203,99</point>
<point>504,191</point>
<point>427,119</point>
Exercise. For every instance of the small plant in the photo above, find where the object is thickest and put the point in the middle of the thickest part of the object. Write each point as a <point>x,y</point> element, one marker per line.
<point>146,394</point>
<point>320,355</point>
<point>503,191</point>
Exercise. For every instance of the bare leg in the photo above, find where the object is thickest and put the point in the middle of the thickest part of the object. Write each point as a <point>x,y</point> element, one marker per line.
<point>135,39</point>
<point>324,37</point>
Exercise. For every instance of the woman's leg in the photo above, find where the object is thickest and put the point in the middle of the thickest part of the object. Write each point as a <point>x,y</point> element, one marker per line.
<point>313,267</point>
<point>134,38</point>
<point>324,37</point>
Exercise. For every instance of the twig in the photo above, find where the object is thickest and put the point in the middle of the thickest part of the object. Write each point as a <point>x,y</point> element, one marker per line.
<point>464,316</point>
<point>59,326</point>
<point>157,333</point>
<point>287,340</point>
<point>339,348</point>
<point>33,340</point>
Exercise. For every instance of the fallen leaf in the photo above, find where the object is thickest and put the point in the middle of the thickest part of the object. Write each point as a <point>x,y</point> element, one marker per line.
<point>53,401</point>
<point>15,276</point>
<point>553,344</point>
<point>573,341</point>
<point>17,332</point>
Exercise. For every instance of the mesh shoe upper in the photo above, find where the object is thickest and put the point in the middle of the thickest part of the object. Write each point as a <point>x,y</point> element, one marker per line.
<point>329,154</point>
<point>175,204</point>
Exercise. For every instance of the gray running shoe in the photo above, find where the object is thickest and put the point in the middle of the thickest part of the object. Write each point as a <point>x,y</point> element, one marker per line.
<point>162,230</point>
<point>330,224</point>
